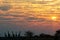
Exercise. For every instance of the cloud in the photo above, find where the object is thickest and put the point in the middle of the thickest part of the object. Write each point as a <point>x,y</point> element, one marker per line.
<point>36,19</point>
<point>13,14</point>
<point>6,19</point>
<point>5,7</point>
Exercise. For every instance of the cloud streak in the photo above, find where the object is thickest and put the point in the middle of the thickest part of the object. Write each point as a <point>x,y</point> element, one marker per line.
<point>36,19</point>
<point>5,7</point>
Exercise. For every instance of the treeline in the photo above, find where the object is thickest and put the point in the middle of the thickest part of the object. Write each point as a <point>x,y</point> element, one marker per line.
<point>30,36</point>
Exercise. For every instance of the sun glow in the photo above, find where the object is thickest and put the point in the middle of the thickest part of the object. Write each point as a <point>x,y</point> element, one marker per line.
<point>54,18</point>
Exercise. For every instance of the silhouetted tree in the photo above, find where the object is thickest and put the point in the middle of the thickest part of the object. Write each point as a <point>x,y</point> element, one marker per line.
<point>13,35</point>
<point>57,35</point>
<point>5,35</point>
<point>16,34</point>
<point>19,34</point>
<point>45,35</point>
<point>29,34</point>
<point>42,35</point>
<point>8,35</point>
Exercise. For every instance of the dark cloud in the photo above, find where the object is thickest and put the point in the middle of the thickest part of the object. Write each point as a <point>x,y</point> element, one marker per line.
<point>6,19</point>
<point>5,7</point>
<point>15,16</point>
<point>36,19</point>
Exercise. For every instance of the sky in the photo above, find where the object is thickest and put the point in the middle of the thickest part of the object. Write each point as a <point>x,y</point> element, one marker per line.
<point>39,16</point>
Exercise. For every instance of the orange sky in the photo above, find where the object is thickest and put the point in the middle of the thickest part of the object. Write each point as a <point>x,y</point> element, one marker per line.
<point>35,15</point>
